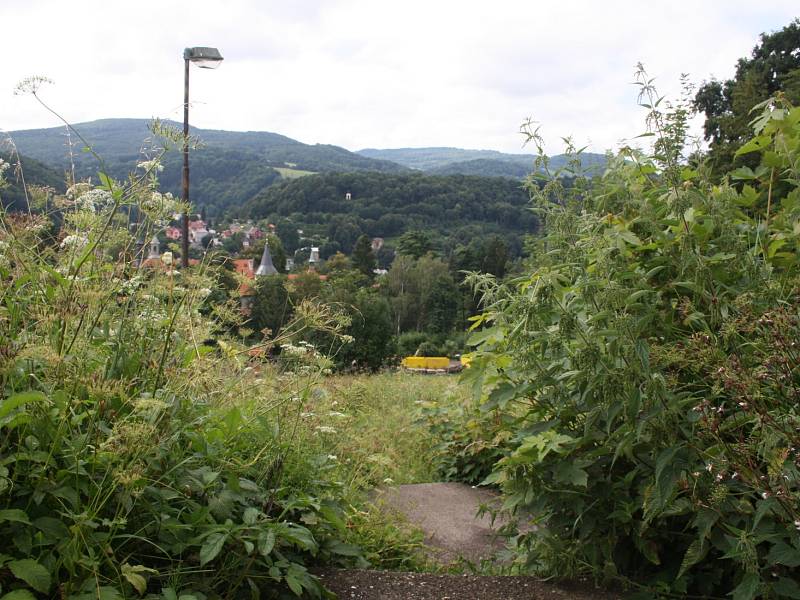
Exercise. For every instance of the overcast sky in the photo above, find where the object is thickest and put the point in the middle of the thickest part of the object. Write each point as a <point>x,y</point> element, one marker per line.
<point>374,73</point>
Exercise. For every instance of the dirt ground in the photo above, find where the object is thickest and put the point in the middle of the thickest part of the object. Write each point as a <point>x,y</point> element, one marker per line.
<point>446,512</point>
<point>388,585</point>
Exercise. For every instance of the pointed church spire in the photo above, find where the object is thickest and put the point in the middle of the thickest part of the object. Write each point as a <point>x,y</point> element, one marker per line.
<point>266,267</point>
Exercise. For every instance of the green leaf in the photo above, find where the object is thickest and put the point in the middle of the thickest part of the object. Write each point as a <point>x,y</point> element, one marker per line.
<point>630,237</point>
<point>266,542</point>
<point>756,144</point>
<point>694,554</point>
<point>301,537</point>
<point>783,554</point>
<point>337,547</point>
<point>17,400</point>
<point>489,335</point>
<point>54,530</point>
<point>14,515</point>
<point>764,508</point>
<point>670,464</point>
<point>105,181</point>
<point>294,584</point>
<point>704,521</point>
<point>748,196</point>
<point>569,472</point>
<point>169,593</point>
<point>331,514</point>
<point>107,593</point>
<point>211,547</point>
<point>788,588</point>
<point>500,397</point>
<point>720,257</point>
<point>748,587</point>
<point>32,573</point>
<point>250,515</point>
<point>133,574</point>
<point>18,595</point>
<point>742,173</point>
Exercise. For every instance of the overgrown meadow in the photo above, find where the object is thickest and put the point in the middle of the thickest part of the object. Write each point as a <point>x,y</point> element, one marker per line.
<point>144,451</point>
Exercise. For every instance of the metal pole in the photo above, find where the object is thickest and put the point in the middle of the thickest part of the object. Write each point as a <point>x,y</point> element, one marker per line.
<point>185,197</point>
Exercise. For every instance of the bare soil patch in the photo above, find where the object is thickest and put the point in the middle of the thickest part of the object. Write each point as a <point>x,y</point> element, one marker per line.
<point>447,513</point>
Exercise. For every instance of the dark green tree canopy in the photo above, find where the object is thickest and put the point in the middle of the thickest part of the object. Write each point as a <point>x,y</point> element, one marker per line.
<point>363,257</point>
<point>774,65</point>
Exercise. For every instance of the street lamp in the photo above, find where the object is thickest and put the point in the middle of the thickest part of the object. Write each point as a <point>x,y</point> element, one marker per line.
<point>205,58</point>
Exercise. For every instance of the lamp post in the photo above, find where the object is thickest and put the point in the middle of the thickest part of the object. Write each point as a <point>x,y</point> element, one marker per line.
<point>205,58</point>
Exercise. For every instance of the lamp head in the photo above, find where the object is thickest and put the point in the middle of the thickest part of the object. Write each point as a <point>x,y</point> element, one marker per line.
<point>205,58</point>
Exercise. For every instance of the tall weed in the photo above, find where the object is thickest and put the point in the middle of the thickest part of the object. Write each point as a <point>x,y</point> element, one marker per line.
<point>643,376</point>
<point>141,453</point>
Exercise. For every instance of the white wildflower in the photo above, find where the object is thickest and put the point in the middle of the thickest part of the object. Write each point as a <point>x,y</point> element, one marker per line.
<point>166,258</point>
<point>325,429</point>
<point>76,242</point>
<point>150,165</point>
<point>95,199</point>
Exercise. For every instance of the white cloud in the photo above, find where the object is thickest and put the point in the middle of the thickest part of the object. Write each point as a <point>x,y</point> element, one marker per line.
<point>361,73</point>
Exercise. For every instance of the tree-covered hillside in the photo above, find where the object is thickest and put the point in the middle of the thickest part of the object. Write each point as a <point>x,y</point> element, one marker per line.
<point>227,169</point>
<point>34,173</point>
<point>485,167</point>
<point>455,208</point>
<point>488,163</point>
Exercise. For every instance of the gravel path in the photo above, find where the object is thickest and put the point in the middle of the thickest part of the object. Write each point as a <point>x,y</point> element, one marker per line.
<point>446,512</point>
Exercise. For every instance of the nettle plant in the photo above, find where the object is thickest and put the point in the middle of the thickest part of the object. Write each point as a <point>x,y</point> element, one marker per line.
<point>135,459</point>
<point>642,380</point>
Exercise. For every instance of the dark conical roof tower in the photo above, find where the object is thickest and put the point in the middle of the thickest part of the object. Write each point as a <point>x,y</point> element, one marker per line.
<point>266,267</point>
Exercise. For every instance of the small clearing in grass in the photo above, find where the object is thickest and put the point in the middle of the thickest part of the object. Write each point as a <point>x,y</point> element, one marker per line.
<point>289,173</point>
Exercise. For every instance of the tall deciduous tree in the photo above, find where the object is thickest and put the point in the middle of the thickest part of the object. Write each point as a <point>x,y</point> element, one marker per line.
<point>774,65</point>
<point>414,243</point>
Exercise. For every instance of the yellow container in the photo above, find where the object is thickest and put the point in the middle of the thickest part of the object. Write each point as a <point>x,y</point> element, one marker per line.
<point>426,362</point>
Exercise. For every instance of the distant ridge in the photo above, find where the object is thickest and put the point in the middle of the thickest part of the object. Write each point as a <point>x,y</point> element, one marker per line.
<point>118,140</point>
<point>490,163</point>
<point>228,169</point>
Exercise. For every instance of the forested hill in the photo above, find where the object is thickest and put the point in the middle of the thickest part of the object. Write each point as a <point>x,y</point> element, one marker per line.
<point>228,169</point>
<point>35,173</point>
<point>118,140</point>
<point>485,167</point>
<point>489,163</point>
<point>452,208</point>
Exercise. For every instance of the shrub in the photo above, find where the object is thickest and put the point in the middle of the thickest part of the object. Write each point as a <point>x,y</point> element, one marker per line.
<point>643,376</point>
<point>134,457</point>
